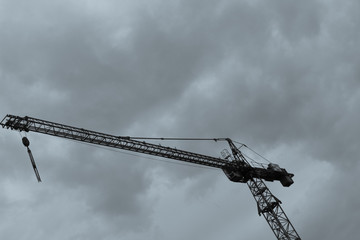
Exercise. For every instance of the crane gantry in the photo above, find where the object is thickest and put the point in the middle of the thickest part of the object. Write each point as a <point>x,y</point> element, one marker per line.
<point>235,165</point>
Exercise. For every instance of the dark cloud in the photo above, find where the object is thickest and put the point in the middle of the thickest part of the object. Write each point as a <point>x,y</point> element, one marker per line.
<point>281,76</point>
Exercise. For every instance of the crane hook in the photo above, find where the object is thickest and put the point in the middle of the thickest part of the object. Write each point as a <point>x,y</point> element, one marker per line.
<point>25,141</point>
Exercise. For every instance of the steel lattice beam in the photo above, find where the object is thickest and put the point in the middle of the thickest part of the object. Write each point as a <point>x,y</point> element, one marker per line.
<point>268,205</point>
<point>237,170</point>
<point>126,143</point>
<point>83,135</point>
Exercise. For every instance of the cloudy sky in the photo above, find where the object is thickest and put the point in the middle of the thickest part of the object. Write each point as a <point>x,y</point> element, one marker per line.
<point>282,76</point>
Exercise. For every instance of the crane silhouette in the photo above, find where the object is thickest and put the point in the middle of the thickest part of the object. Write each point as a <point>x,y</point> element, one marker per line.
<point>235,165</point>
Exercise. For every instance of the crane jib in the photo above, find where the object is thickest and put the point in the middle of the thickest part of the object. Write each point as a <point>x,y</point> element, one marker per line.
<point>50,128</point>
<point>234,171</point>
<point>238,169</point>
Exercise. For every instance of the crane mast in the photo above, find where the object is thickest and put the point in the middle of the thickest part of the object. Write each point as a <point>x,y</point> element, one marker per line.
<point>268,205</point>
<point>236,168</point>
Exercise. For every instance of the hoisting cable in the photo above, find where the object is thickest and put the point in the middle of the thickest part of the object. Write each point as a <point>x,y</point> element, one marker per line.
<point>253,161</point>
<point>258,154</point>
<point>180,139</point>
<point>242,144</point>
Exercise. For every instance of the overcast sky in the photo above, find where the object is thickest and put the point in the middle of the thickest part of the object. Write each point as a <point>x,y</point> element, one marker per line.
<point>282,76</point>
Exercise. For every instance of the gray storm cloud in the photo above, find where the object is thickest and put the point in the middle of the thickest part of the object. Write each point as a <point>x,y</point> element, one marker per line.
<point>281,76</point>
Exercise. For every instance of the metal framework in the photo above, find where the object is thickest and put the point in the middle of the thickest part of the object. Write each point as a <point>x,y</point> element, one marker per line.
<point>268,205</point>
<point>236,168</point>
<point>60,130</point>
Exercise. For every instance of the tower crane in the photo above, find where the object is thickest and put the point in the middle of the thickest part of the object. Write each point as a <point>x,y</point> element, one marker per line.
<point>235,165</point>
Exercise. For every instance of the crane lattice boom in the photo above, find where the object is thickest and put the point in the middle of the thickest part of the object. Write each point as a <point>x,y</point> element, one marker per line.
<point>79,134</point>
<point>236,168</point>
